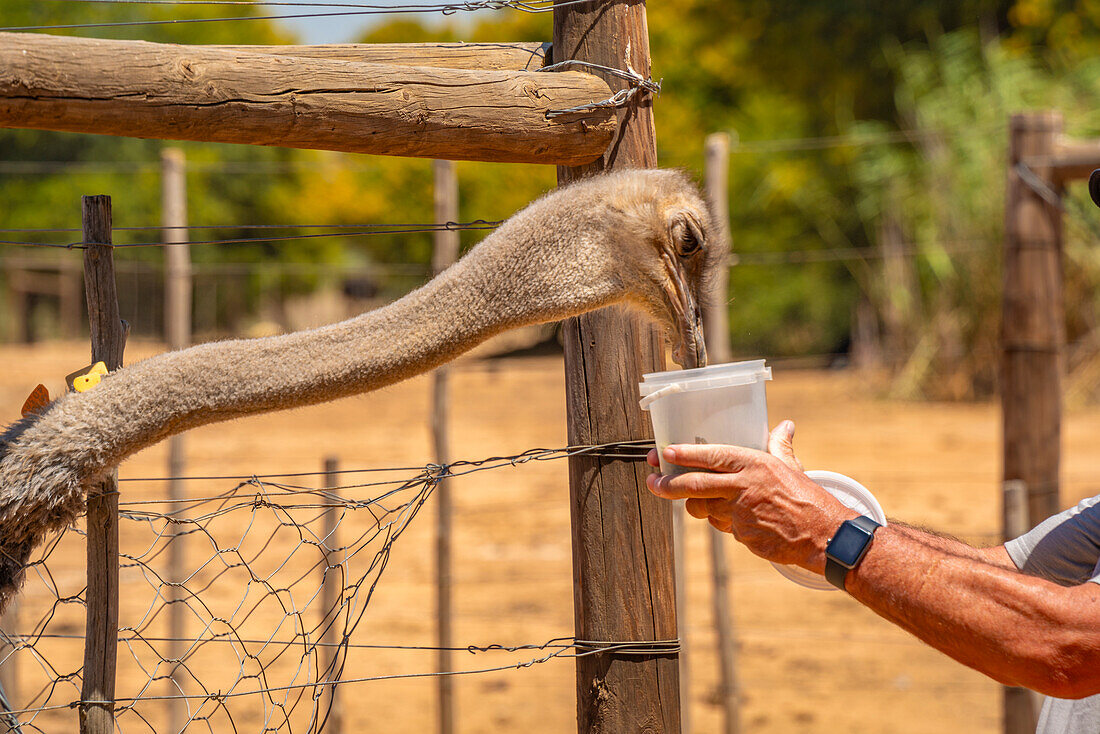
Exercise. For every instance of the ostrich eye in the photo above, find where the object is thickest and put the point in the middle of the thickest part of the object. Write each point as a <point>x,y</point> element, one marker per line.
<point>686,237</point>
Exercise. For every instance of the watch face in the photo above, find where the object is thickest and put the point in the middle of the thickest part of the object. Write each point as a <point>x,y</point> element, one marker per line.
<point>848,544</point>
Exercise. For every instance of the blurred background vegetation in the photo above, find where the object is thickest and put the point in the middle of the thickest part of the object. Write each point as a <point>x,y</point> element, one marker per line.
<point>857,127</point>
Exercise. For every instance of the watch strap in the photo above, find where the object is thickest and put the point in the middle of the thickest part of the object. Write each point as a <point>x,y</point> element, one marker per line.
<point>836,572</point>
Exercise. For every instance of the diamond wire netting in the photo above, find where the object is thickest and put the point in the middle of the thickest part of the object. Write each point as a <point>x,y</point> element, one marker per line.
<point>274,578</point>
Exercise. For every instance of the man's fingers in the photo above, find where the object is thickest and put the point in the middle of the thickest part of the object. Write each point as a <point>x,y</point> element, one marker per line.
<point>692,484</point>
<point>651,458</point>
<point>781,444</point>
<point>723,525</point>
<point>714,457</point>
<point>697,508</point>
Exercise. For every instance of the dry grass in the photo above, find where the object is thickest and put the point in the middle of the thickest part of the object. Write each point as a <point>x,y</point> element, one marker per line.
<point>809,661</point>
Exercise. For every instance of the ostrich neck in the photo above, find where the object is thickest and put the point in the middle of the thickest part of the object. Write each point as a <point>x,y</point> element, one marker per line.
<point>497,286</point>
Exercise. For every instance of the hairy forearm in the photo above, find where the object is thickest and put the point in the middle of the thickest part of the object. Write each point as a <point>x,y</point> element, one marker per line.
<point>997,556</point>
<point>1018,629</point>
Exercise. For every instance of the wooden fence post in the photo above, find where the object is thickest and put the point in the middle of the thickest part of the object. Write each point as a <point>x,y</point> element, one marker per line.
<point>9,660</point>
<point>97,708</point>
<point>1033,335</point>
<point>445,253</point>
<point>332,590</point>
<point>679,550</point>
<point>177,330</point>
<point>716,326</point>
<point>623,580</point>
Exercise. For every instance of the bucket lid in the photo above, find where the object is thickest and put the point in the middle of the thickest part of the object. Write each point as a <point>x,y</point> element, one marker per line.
<point>656,384</point>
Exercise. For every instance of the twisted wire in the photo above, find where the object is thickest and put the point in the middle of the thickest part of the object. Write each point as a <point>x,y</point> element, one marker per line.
<point>526,6</point>
<point>258,554</point>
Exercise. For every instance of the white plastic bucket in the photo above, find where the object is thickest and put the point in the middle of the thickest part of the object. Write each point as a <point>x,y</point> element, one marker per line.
<point>723,403</point>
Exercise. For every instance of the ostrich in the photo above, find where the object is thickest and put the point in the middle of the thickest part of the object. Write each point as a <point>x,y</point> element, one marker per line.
<point>636,237</point>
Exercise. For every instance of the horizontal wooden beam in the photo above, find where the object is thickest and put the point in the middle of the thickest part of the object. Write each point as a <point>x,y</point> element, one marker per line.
<point>148,90</point>
<point>526,56</point>
<point>1074,159</point>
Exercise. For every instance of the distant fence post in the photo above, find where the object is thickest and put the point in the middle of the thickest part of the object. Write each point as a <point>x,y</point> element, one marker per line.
<point>97,708</point>
<point>9,670</point>
<point>716,326</point>
<point>177,330</point>
<point>445,253</point>
<point>331,718</point>
<point>1033,335</point>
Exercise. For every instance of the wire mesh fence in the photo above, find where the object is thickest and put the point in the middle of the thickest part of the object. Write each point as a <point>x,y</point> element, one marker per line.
<point>277,576</point>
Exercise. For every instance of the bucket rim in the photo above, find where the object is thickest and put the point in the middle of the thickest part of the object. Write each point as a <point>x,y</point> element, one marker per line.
<point>711,376</point>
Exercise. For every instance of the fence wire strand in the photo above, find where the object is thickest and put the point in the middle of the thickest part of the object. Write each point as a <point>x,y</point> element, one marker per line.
<point>341,231</point>
<point>256,632</point>
<point>528,6</point>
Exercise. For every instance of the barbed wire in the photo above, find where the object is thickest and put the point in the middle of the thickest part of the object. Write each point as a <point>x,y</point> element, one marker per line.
<point>233,167</point>
<point>857,140</point>
<point>621,98</point>
<point>166,227</point>
<point>526,6</point>
<point>375,230</point>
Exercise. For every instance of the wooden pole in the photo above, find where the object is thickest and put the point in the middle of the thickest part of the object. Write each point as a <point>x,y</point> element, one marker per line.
<point>679,550</point>
<point>177,329</point>
<point>623,578</point>
<point>97,708</point>
<point>9,663</point>
<point>445,253</point>
<point>1033,328</point>
<point>1033,335</point>
<point>716,154</point>
<point>716,328</point>
<point>226,96</point>
<point>332,590</point>
<point>1021,705</point>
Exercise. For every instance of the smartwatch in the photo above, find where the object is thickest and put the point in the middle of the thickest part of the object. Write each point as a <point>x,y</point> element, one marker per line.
<point>847,548</point>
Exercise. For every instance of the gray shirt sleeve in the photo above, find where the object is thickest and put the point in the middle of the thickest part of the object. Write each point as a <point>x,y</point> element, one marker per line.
<point>1064,548</point>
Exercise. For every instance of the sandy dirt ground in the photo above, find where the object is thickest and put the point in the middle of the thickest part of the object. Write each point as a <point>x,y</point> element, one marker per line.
<point>807,661</point>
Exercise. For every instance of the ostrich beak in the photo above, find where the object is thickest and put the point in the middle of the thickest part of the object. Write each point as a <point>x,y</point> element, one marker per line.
<point>690,350</point>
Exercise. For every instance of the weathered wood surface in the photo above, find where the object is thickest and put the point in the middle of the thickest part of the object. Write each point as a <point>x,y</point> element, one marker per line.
<point>1071,160</point>
<point>1033,337</point>
<point>332,591</point>
<point>524,56</point>
<point>108,340</point>
<point>148,90</point>
<point>623,583</point>
<point>443,256</point>
<point>1033,328</point>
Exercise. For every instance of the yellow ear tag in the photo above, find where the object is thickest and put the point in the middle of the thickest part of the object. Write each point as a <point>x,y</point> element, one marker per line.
<point>85,382</point>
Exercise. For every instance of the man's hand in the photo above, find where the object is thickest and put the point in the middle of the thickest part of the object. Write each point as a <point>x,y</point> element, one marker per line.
<point>764,499</point>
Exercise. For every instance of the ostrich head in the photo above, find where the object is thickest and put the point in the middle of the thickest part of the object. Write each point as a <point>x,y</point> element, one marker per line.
<point>637,236</point>
<point>670,221</point>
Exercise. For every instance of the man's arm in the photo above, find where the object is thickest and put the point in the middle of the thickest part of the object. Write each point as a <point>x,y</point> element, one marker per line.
<point>971,604</point>
<point>996,555</point>
<point>1018,629</point>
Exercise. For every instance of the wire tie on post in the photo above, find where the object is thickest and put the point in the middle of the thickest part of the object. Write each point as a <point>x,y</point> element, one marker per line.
<point>634,647</point>
<point>618,99</point>
<point>1039,186</point>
